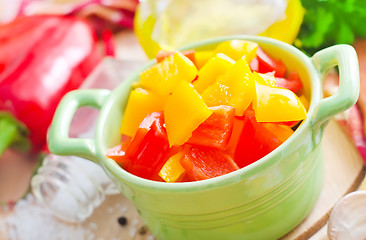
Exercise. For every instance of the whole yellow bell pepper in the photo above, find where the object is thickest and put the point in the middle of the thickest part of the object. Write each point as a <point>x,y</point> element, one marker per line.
<point>287,28</point>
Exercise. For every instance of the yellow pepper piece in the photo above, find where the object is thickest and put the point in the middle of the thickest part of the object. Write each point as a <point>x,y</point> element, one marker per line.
<point>274,104</point>
<point>265,79</point>
<point>140,103</point>
<point>304,101</point>
<point>202,57</point>
<point>215,67</point>
<point>184,111</point>
<point>236,49</point>
<point>235,88</point>
<point>283,132</point>
<point>172,171</point>
<point>164,76</point>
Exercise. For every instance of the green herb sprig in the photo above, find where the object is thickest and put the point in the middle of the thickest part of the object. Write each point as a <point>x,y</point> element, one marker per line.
<point>329,22</point>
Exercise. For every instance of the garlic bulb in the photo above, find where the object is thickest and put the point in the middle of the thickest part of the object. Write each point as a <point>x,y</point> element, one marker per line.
<point>348,218</point>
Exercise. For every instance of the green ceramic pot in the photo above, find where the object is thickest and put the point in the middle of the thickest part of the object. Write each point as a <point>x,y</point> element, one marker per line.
<point>264,200</point>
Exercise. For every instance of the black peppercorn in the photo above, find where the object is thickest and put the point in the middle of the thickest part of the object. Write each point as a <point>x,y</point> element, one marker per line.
<point>122,221</point>
<point>142,230</point>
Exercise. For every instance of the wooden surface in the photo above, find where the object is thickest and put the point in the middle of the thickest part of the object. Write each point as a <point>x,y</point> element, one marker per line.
<point>344,172</point>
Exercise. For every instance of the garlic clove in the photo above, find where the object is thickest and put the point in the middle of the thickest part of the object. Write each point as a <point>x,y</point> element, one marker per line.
<point>348,218</point>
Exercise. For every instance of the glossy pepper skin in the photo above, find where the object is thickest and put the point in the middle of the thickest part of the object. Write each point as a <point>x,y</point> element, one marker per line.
<point>149,148</point>
<point>226,118</point>
<point>255,141</point>
<point>41,59</point>
<point>201,162</point>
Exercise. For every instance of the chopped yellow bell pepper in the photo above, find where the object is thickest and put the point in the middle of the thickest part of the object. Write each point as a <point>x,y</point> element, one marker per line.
<point>283,132</point>
<point>215,67</point>
<point>274,104</point>
<point>304,101</point>
<point>265,79</point>
<point>236,49</point>
<point>140,103</point>
<point>202,57</point>
<point>184,111</point>
<point>172,171</point>
<point>235,88</point>
<point>164,76</point>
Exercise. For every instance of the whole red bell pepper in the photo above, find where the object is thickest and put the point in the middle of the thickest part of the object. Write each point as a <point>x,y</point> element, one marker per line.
<point>41,59</point>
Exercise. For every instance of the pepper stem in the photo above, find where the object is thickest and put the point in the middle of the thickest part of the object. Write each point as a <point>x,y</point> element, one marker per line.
<point>12,133</point>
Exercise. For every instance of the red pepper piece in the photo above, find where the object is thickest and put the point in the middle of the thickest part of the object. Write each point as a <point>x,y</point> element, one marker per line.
<point>289,123</point>
<point>255,141</point>
<point>132,150</point>
<point>117,153</point>
<point>254,65</point>
<point>141,132</point>
<point>292,82</point>
<point>42,58</point>
<point>267,64</point>
<point>150,118</point>
<point>202,163</point>
<point>234,138</point>
<point>149,149</point>
<point>216,130</point>
<point>162,54</point>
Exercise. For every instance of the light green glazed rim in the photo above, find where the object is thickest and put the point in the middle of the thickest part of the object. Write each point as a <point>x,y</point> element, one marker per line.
<point>320,111</point>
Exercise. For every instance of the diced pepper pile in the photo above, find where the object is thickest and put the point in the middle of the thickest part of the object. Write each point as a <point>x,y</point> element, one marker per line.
<point>196,115</point>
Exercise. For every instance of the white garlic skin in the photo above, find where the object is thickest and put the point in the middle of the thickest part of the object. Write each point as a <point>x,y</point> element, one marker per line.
<point>348,218</point>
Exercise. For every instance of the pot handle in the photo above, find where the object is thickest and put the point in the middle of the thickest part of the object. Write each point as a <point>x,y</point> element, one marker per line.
<point>345,57</point>
<point>59,141</point>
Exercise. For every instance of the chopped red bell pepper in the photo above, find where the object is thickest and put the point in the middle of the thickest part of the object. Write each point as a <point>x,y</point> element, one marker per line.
<point>216,130</point>
<point>292,82</point>
<point>145,126</point>
<point>149,149</point>
<point>236,132</point>
<point>117,153</point>
<point>267,64</point>
<point>255,141</point>
<point>289,123</point>
<point>254,65</point>
<point>202,162</point>
<point>41,59</point>
<point>225,139</point>
<point>150,119</point>
<point>162,54</point>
